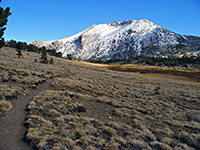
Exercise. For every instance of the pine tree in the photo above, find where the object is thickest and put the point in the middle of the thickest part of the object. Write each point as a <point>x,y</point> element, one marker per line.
<point>18,49</point>
<point>3,21</point>
<point>43,55</point>
<point>51,61</point>
<point>2,43</point>
<point>32,48</point>
<point>19,53</point>
<point>69,56</point>
<point>19,45</point>
<point>11,43</point>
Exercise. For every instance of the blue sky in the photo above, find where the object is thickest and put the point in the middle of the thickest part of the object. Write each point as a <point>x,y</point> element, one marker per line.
<point>46,20</point>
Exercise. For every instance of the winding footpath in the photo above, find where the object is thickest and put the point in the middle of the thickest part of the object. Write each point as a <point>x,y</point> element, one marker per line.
<point>12,128</point>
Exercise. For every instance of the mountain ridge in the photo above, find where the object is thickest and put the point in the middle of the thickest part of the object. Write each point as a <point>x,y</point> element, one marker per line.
<point>122,40</point>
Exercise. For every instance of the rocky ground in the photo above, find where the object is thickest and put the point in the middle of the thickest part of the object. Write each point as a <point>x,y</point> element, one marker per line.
<point>91,107</point>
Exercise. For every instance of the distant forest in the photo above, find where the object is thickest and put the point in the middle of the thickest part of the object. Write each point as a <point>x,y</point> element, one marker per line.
<point>170,60</point>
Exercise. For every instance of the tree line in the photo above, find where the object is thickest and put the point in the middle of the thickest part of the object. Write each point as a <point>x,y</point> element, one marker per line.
<point>19,46</point>
<point>31,48</point>
<point>184,61</point>
<point>171,60</point>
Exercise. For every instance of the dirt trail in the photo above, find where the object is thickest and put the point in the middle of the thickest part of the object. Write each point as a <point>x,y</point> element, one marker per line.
<point>12,129</point>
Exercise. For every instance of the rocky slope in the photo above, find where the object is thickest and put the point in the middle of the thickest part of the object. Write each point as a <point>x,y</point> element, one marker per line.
<point>123,40</point>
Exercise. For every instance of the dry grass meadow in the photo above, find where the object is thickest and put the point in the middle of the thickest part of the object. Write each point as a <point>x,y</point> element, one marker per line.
<point>93,106</point>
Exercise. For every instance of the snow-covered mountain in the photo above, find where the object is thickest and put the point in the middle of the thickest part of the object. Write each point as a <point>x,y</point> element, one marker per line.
<point>122,40</point>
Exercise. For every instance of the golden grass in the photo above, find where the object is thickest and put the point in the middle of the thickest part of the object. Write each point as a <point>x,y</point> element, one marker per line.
<point>90,106</point>
<point>126,109</point>
<point>18,76</point>
<point>190,74</point>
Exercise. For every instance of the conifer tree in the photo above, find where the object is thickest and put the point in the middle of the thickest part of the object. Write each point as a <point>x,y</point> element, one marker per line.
<point>3,21</point>
<point>11,43</point>
<point>69,56</point>
<point>19,53</point>
<point>51,61</point>
<point>43,55</point>
<point>18,49</point>
<point>2,43</point>
<point>19,45</point>
<point>32,48</point>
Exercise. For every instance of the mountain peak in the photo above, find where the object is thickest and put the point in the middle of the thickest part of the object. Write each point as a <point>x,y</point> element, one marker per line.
<point>145,20</point>
<point>121,23</point>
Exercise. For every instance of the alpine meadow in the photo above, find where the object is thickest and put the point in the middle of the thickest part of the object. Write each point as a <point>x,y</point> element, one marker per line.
<point>119,85</point>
